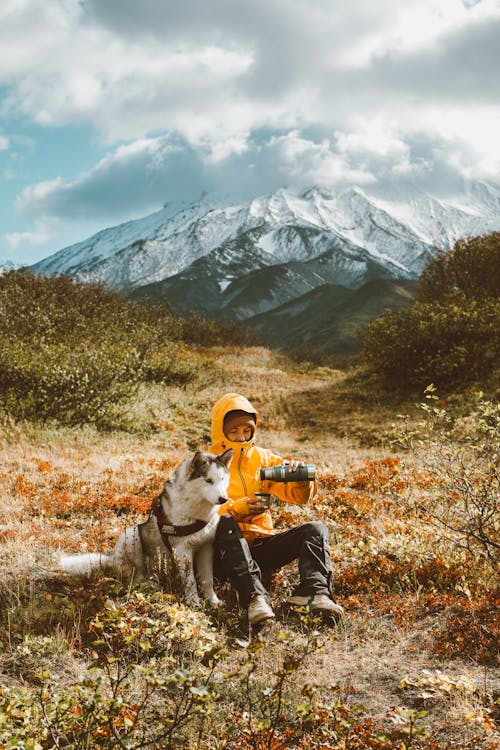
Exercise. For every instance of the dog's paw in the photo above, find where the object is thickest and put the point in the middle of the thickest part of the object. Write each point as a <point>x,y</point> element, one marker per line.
<point>215,602</point>
<point>193,601</point>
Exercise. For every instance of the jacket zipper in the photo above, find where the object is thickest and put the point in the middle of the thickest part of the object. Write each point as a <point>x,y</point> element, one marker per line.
<point>241,475</point>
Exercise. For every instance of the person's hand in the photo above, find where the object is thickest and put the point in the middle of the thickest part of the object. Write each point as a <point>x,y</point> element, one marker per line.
<point>249,506</point>
<point>258,504</point>
<point>294,464</point>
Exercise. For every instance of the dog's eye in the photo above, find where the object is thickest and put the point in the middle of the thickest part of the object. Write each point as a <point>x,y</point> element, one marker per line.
<point>209,481</point>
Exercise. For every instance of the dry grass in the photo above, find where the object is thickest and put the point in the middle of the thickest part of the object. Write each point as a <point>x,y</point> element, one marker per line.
<point>75,490</point>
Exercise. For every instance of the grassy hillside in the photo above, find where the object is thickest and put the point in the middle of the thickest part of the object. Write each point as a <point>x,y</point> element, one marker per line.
<point>104,664</point>
<point>283,304</point>
<point>331,316</point>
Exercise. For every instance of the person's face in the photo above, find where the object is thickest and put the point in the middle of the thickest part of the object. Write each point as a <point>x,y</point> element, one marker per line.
<point>239,434</point>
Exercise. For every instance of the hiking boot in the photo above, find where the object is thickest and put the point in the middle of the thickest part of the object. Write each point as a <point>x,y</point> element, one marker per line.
<point>320,603</point>
<point>259,610</point>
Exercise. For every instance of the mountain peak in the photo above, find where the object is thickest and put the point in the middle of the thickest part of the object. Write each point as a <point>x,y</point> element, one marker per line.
<point>370,230</point>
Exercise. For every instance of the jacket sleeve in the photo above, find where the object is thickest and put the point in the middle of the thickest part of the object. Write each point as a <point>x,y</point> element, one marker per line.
<point>236,508</point>
<point>299,493</point>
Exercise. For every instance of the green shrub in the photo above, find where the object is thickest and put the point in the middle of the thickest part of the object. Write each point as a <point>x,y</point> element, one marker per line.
<point>446,344</point>
<point>60,308</point>
<point>68,351</point>
<point>193,329</point>
<point>85,384</point>
<point>471,267</point>
<point>173,364</point>
<point>75,352</point>
<point>462,456</point>
<point>146,687</point>
<point>450,335</point>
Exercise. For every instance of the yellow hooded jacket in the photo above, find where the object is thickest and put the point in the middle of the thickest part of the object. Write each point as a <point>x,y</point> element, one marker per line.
<point>245,473</point>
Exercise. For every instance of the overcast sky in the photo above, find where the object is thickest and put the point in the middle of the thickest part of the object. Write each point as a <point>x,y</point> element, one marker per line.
<point>111,108</point>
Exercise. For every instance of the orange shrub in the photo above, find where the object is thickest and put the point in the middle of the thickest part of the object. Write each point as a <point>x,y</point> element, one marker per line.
<point>61,494</point>
<point>472,630</point>
<point>382,475</point>
<point>383,573</point>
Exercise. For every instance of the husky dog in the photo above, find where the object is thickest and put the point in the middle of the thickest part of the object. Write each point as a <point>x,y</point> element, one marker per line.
<point>184,519</point>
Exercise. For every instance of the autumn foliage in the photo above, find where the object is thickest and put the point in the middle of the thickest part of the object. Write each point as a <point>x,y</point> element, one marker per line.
<point>106,663</point>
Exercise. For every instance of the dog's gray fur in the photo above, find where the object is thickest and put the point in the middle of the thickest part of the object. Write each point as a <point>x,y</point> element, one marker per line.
<point>194,492</point>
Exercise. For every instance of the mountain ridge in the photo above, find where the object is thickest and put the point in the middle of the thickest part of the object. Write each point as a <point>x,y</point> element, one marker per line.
<point>331,317</point>
<point>243,260</point>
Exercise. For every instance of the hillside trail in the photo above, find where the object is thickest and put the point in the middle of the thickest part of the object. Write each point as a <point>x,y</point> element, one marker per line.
<point>315,413</point>
<point>304,409</point>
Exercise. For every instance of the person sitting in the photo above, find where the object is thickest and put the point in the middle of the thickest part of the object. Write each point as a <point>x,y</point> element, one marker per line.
<point>246,542</point>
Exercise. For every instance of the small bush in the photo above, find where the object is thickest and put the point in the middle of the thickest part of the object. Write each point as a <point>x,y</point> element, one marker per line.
<point>450,335</point>
<point>462,456</point>
<point>85,384</point>
<point>381,573</point>
<point>75,352</point>
<point>145,687</point>
<point>471,267</point>
<point>446,344</point>
<point>198,331</point>
<point>472,630</point>
<point>174,365</point>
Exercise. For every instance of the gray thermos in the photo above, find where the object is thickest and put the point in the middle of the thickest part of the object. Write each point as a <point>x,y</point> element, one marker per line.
<point>282,473</point>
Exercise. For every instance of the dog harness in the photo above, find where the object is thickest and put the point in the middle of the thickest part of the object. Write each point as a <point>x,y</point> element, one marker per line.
<point>167,528</point>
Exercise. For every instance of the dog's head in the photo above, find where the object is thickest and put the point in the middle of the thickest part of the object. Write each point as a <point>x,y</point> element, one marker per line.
<point>212,474</point>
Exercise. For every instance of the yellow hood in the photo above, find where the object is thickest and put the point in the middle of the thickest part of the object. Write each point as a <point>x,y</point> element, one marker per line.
<point>229,402</point>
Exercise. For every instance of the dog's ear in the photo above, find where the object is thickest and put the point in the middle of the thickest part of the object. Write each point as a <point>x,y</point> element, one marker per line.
<point>226,457</point>
<point>198,459</point>
<point>197,463</point>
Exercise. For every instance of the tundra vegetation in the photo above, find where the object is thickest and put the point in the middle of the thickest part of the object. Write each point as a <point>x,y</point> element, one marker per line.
<point>101,399</point>
<point>450,335</point>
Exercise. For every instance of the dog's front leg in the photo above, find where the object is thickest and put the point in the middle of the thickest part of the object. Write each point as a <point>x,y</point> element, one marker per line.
<point>204,566</point>
<point>186,570</point>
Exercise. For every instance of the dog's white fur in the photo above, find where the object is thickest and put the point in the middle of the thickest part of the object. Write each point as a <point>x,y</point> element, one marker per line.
<point>193,493</point>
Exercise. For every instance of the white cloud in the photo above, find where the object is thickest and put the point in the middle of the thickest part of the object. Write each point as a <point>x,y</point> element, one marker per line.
<point>61,67</point>
<point>214,72</point>
<point>146,173</point>
<point>377,139</point>
<point>250,94</point>
<point>131,177</point>
<point>471,138</point>
<point>4,143</point>
<point>307,162</point>
<point>16,239</point>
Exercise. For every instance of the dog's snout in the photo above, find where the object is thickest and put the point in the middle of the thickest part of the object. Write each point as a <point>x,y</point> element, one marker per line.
<point>221,500</point>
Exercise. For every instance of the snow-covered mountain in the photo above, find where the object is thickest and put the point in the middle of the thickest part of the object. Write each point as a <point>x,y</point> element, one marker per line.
<point>396,234</point>
<point>242,260</point>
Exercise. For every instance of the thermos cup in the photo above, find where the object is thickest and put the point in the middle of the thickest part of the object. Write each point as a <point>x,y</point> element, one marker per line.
<point>265,497</point>
<point>282,473</point>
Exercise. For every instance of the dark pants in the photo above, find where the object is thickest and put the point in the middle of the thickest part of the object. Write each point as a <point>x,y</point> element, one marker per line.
<point>242,564</point>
